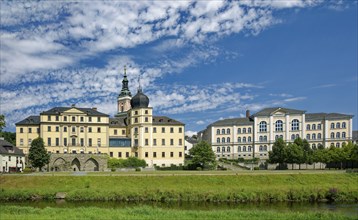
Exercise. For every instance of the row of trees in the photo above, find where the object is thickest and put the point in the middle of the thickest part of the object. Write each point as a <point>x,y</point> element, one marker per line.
<point>299,152</point>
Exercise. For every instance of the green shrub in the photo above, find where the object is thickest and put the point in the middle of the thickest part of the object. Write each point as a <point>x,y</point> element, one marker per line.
<point>256,168</point>
<point>199,168</point>
<point>137,169</point>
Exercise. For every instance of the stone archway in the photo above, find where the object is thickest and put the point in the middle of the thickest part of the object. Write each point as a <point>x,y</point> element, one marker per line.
<point>59,164</point>
<point>91,165</point>
<point>75,165</point>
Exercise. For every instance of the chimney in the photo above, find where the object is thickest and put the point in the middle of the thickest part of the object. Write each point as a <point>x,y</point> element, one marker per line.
<point>247,113</point>
<point>94,108</point>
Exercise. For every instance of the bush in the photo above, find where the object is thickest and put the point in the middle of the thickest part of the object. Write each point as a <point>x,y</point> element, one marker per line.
<point>126,163</point>
<point>256,168</point>
<point>199,168</point>
<point>138,169</point>
<point>27,170</point>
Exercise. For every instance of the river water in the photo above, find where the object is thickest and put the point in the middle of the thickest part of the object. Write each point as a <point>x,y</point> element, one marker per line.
<point>349,209</point>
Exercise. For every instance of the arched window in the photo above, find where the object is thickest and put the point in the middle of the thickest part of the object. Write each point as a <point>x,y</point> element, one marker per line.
<point>332,135</point>
<point>239,130</point>
<point>228,131</point>
<point>223,149</point>
<point>332,125</point>
<point>218,149</point>
<point>338,125</point>
<point>279,125</point>
<point>249,139</point>
<point>276,137</point>
<point>343,134</point>
<point>308,127</point>
<point>338,135</point>
<point>313,127</point>
<point>244,139</point>
<point>295,125</point>
<point>222,131</point>
<point>228,149</point>
<point>281,136</point>
<point>332,144</point>
<point>308,136</point>
<point>293,137</point>
<point>228,140</point>
<point>313,136</point>
<point>261,148</point>
<point>244,130</point>
<point>261,139</point>
<point>238,149</point>
<point>343,125</point>
<point>319,127</point>
<point>319,136</point>
<point>249,130</point>
<point>314,146</point>
<point>223,140</point>
<point>265,138</point>
<point>244,148</point>
<point>217,131</point>
<point>265,148</point>
<point>297,135</point>
<point>338,144</point>
<point>239,139</point>
<point>217,140</point>
<point>249,148</point>
<point>263,126</point>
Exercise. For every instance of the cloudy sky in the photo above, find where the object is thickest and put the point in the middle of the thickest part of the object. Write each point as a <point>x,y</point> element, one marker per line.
<point>199,61</point>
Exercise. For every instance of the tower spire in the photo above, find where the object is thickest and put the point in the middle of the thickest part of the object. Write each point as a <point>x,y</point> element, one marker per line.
<point>125,90</point>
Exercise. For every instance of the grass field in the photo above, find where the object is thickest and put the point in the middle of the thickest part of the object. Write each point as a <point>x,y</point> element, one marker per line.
<point>146,212</point>
<point>176,186</point>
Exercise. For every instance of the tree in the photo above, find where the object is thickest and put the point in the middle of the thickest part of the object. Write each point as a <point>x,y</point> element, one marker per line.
<point>38,155</point>
<point>278,153</point>
<point>203,156</point>
<point>2,122</point>
<point>294,154</point>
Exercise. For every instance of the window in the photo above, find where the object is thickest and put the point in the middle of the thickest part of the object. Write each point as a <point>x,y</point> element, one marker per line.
<point>297,135</point>
<point>57,141</point>
<point>244,130</point>
<point>180,130</point>
<point>332,125</point>
<point>338,125</point>
<point>65,142</point>
<point>338,145</point>
<point>180,154</point>
<point>295,126</point>
<point>249,139</point>
<point>218,149</point>
<point>127,154</point>
<point>154,154</point>
<point>238,149</point>
<point>313,127</point>
<point>217,140</point>
<point>244,139</point>
<point>171,130</point>
<point>223,149</point>
<point>99,142</point>
<point>228,149</point>
<point>276,137</point>
<point>73,141</point>
<point>73,129</point>
<point>249,148</point>
<point>319,126</point>
<point>261,148</point>
<point>48,128</point>
<point>64,118</point>
<point>163,130</point>
<point>82,142</point>
<point>308,127</point>
<point>332,135</point>
<point>123,132</point>
<point>119,154</point>
<point>260,138</point>
<point>115,131</point>
<point>279,125</point>
<point>146,154</point>
<point>146,119</point>
<point>223,140</point>
<point>228,131</point>
<point>163,154</point>
<point>89,119</point>
<point>244,148</point>
<point>73,118</point>
<point>57,129</point>
<point>90,142</point>
<point>98,130</point>
<point>265,138</point>
<point>146,112</point>
<point>217,131</point>
<point>163,142</point>
<point>180,142</point>
<point>49,118</point>
<point>136,120</point>
<point>263,126</point>
<point>338,135</point>
<point>135,142</point>
<point>343,134</point>
<point>30,140</point>
<point>48,141</point>
<point>154,129</point>
<point>314,146</point>
<point>136,113</point>
<point>171,142</point>
<point>21,142</point>
<point>30,130</point>
<point>228,140</point>
<point>21,130</point>
<point>239,139</point>
<point>265,148</point>
<point>155,142</point>
<point>57,118</point>
<point>146,142</point>
<point>81,119</point>
<point>146,130</point>
<point>292,137</point>
<point>111,154</point>
<point>89,129</point>
<point>171,154</point>
<point>313,136</point>
<point>98,119</point>
<point>222,131</point>
<point>343,125</point>
<point>319,136</point>
<point>239,130</point>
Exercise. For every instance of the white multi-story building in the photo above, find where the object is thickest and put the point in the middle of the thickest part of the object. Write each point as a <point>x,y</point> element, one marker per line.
<point>12,159</point>
<point>254,135</point>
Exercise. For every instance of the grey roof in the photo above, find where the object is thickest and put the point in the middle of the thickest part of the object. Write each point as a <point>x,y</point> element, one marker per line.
<point>59,110</point>
<point>269,111</point>
<point>326,116</point>
<point>31,120</point>
<point>9,149</point>
<point>163,120</point>
<point>117,122</point>
<point>233,121</point>
<point>191,140</point>
<point>355,136</point>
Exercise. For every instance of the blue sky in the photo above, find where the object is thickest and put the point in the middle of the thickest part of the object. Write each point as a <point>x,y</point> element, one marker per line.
<point>199,61</point>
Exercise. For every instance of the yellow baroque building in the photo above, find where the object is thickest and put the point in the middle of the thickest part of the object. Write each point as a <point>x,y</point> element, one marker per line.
<point>254,135</point>
<point>132,132</point>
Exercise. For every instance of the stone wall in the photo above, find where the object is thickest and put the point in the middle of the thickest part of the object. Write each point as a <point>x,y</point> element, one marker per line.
<point>78,162</point>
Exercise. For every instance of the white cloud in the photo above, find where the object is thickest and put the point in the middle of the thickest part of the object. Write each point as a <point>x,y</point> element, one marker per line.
<point>190,133</point>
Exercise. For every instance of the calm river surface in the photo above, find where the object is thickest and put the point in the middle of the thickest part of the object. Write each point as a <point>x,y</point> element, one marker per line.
<point>350,209</point>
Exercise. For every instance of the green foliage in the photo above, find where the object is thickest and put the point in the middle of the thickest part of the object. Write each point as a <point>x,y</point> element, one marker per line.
<point>9,136</point>
<point>38,155</point>
<point>279,152</point>
<point>294,154</point>
<point>203,156</point>
<point>130,162</point>
<point>2,122</point>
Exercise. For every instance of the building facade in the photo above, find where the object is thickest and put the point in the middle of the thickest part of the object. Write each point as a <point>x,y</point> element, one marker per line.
<point>12,159</point>
<point>254,135</point>
<point>133,132</point>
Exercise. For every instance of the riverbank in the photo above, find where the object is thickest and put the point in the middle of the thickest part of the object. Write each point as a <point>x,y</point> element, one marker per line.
<point>147,212</point>
<point>209,188</point>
